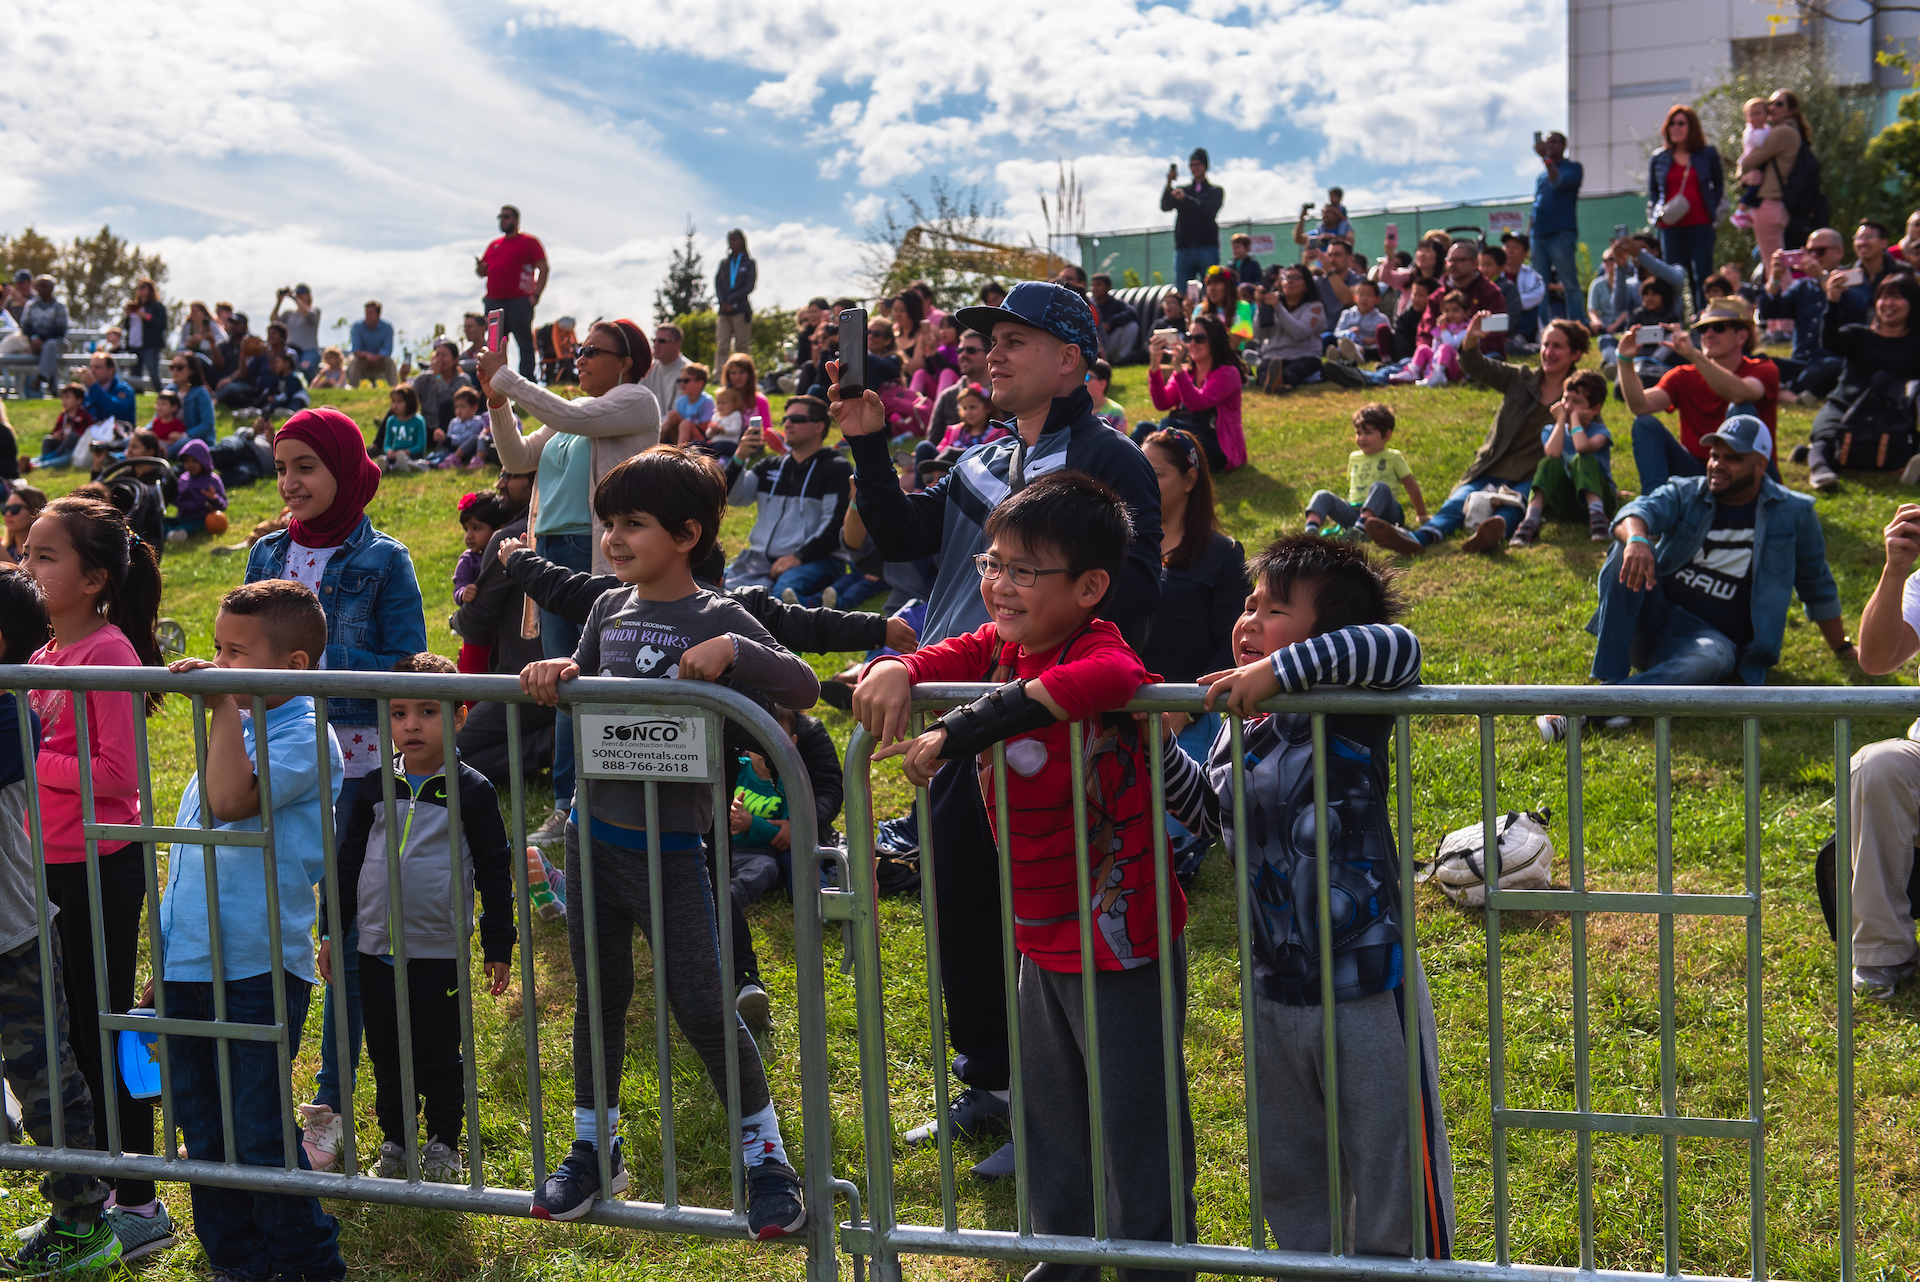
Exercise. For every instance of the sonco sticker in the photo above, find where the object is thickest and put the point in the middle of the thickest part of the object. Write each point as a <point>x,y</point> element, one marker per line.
<point>647,744</point>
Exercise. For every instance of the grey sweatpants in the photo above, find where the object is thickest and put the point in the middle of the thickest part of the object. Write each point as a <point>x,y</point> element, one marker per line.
<point>1885,794</point>
<point>702,1007</point>
<point>1133,1115</point>
<point>1290,1062</point>
<point>1380,501</point>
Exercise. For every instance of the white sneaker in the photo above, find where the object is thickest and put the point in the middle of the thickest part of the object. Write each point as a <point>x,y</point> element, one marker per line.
<point>176,536</point>
<point>790,596</point>
<point>830,599</point>
<point>441,1164</point>
<point>1350,352</point>
<point>321,1132</point>
<point>552,831</point>
<point>1438,378</point>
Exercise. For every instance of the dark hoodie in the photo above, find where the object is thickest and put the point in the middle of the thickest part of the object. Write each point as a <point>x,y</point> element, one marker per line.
<point>200,494</point>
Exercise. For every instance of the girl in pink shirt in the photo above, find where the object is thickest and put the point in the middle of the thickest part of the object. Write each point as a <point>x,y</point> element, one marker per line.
<point>101,587</point>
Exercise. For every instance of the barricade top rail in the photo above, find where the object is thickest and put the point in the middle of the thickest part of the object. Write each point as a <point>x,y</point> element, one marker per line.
<point>1474,700</point>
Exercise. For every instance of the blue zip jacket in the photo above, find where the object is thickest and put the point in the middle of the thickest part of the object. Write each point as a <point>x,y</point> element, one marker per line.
<point>1790,555</point>
<point>1706,167</point>
<point>196,411</point>
<point>374,613</point>
<point>111,400</point>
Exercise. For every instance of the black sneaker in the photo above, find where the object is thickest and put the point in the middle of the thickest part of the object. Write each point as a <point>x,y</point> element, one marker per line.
<point>774,1206</point>
<point>973,1112</point>
<point>571,1190</point>
<point>837,694</point>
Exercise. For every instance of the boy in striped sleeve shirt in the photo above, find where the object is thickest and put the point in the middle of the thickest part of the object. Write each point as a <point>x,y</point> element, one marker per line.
<point>1322,614</point>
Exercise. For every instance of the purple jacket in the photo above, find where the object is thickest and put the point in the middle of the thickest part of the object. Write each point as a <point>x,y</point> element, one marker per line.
<point>200,494</point>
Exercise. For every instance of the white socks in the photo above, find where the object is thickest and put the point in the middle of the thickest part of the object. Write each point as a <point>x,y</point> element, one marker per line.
<point>760,1138</point>
<point>584,1129</point>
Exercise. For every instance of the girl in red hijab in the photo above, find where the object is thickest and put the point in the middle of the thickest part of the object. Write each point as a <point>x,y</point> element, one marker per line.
<point>366,585</point>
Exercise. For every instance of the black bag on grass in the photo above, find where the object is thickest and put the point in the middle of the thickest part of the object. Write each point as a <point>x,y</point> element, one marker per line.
<point>1824,868</point>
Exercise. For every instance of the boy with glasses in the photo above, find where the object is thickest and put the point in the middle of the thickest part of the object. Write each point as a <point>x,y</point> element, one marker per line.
<point>692,409</point>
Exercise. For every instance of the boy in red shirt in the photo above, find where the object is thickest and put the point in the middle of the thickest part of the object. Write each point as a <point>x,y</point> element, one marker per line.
<point>1056,547</point>
<point>167,424</point>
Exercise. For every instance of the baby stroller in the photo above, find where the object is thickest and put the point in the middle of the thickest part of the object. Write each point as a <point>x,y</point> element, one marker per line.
<point>137,487</point>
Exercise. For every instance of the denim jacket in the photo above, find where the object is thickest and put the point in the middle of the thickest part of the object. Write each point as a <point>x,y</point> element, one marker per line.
<point>1706,166</point>
<point>374,613</point>
<point>1790,554</point>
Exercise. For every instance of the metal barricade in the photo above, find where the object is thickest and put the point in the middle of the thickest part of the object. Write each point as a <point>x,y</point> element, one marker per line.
<point>693,707</point>
<point>883,1238</point>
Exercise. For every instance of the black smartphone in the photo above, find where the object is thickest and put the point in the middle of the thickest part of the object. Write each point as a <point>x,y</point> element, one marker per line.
<point>1537,139</point>
<point>853,353</point>
<point>1620,231</point>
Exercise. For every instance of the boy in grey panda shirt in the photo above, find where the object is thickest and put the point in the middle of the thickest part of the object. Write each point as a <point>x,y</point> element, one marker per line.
<point>660,515</point>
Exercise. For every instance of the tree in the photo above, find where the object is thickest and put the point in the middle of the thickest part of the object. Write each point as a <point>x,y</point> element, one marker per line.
<point>1841,118</point>
<point>685,289</point>
<point>954,249</point>
<point>93,274</point>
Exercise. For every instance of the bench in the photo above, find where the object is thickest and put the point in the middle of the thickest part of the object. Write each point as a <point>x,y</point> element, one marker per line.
<point>19,367</point>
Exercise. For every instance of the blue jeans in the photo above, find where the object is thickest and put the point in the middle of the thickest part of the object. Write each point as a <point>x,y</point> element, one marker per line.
<point>1555,257</point>
<point>1192,264</point>
<point>248,1235</point>
<point>1454,510</point>
<point>1670,645</point>
<point>1691,249</point>
<point>326,1083</point>
<point>559,638</point>
<point>309,361</point>
<point>852,589</point>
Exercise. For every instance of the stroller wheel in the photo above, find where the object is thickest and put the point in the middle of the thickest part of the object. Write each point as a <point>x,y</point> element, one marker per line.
<point>172,637</point>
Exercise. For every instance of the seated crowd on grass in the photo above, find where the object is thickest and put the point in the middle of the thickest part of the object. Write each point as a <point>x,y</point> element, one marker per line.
<point>1021,532</point>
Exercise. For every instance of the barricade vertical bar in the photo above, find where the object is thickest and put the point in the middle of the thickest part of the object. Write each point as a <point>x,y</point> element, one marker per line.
<point>1843,915</point>
<point>523,906</point>
<point>1582,1085</point>
<point>875,1112</point>
<point>1669,1102</point>
<point>729,1007</point>
<point>1089,987</point>
<point>1323,909</point>
<point>936,1008</point>
<point>463,951</point>
<point>263,773</point>
<point>596,1026</point>
<point>150,868</point>
<point>210,870</point>
<point>662,1033</point>
<point>397,942</point>
<point>1496,1024</point>
<point>1249,1034</point>
<point>1756,1084</point>
<point>329,843</point>
<point>1416,1102</point>
<point>1016,1080</point>
<point>89,815</point>
<point>29,752</point>
<point>1163,932</point>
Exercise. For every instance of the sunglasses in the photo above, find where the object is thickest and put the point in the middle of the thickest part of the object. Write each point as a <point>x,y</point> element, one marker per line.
<point>791,419</point>
<point>688,382</point>
<point>13,509</point>
<point>586,350</point>
<point>1721,327</point>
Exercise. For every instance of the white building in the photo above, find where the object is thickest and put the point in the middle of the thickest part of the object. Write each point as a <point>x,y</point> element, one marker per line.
<point>1630,60</point>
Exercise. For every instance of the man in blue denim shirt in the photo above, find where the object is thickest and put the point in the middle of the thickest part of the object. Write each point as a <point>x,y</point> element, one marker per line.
<point>1730,545</point>
<point>1813,371</point>
<point>1556,221</point>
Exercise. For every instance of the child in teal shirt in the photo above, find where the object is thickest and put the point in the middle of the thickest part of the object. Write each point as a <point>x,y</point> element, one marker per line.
<point>403,434</point>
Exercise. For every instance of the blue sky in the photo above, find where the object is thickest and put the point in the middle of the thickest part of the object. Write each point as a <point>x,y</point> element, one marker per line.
<point>364,148</point>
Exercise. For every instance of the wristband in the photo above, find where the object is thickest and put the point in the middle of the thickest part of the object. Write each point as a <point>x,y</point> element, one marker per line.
<point>1640,538</point>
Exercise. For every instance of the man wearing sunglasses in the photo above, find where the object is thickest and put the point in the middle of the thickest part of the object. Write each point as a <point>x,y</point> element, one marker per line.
<point>972,360</point>
<point>801,499</point>
<point>663,376</point>
<point>1813,370</point>
<point>1721,378</point>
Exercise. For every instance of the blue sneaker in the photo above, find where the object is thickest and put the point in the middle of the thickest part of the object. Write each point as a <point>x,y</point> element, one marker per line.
<point>574,1186</point>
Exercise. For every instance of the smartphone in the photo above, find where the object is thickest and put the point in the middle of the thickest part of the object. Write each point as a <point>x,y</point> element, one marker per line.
<point>1620,231</point>
<point>1537,139</point>
<point>495,319</point>
<point>1650,334</point>
<point>853,353</point>
<point>1193,293</point>
<point>1393,231</point>
<point>1496,323</point>
<point>1854,276</point>
<point>1794,258</point>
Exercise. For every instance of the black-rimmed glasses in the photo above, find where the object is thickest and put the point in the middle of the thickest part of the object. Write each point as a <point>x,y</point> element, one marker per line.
<point>1022,574</point>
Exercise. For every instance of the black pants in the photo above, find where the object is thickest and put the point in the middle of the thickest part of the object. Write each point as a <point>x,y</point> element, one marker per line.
<point>966,879</point>
<point>123,893</point>
<point>433,1002</point>
<point>518,322</point>
<point>746,964</point>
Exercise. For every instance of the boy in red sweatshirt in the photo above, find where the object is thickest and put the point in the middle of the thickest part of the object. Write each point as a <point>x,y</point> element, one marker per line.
<point>1057,545</point>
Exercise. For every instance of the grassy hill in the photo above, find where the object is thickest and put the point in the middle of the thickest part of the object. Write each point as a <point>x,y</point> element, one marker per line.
<point>1483,619</point>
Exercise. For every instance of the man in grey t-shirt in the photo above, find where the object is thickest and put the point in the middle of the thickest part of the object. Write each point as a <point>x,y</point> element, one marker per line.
<point>303,325</point>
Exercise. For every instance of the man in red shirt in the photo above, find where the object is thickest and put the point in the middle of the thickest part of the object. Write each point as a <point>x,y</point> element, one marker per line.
<point>516,270</point>
<point>1722,378</point>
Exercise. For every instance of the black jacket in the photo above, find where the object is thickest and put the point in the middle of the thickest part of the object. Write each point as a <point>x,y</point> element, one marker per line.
<point>730,290</point>
<point>493,616</point>
<point>1195,214</point>
<point>571,594</point>
<point>1201,604</point>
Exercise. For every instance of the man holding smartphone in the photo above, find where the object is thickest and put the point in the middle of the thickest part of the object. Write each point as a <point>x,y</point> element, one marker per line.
<point>515,267</point>
<point>1196,229</point>
<point>1721,378</point>
<point>1556,221</point>
<point>1870,266</point>
<point>1813,370</point>
<point>1043,346</point>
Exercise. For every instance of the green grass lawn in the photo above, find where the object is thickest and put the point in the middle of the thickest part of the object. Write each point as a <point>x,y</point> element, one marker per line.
<point>1502,618</point>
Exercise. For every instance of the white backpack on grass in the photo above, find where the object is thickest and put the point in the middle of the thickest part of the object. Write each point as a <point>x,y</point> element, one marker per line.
<point>1526,858</point>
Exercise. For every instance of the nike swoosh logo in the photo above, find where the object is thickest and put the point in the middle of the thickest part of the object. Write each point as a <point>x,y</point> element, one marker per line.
<point>453,992</point>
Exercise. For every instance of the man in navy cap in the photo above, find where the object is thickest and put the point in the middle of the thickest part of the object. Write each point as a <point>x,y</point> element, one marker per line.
<point>1043,346</point>
<point>1196,211</point>
<point>1698,583</point>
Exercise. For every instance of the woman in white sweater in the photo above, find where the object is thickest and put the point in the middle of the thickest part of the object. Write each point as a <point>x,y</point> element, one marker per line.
<point>579,442</point>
